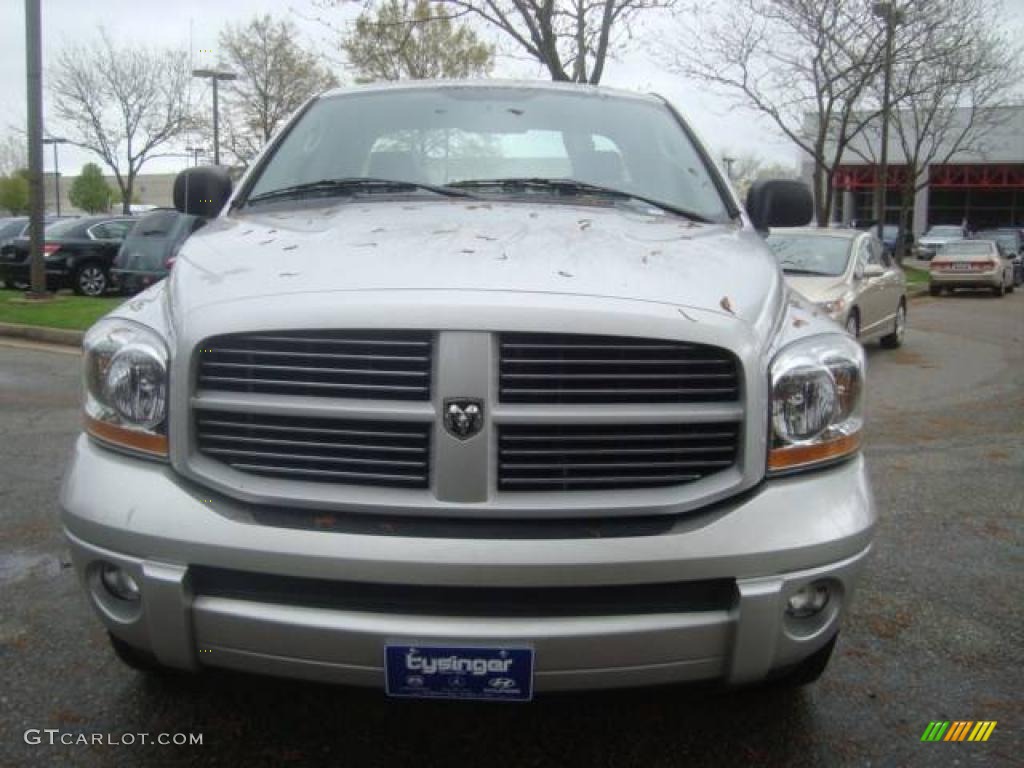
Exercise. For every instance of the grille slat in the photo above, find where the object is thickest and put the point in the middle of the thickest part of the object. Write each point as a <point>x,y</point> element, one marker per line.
<point>332,476</point>
<point>581,457</point>
<point>308,369</point>
<point>303,429</point>
<point>315,387</point>
<point>394,454</point>
<point>308,444</point>
<point>377,365</point>
<point>236,453</point>
<point>572,368</point>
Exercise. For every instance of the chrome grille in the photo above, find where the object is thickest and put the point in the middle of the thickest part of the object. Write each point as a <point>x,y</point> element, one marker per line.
<point>383,453</point>
<point>379,365</point>
<point>569,368</point>
<point>612,457</point>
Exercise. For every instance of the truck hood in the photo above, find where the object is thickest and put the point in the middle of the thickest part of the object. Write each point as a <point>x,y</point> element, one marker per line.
<point>615,251</point>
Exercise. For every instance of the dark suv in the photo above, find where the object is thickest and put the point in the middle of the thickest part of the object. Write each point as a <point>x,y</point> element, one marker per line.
<point>148,252</point>
<point>1012,243</point>
<point>78,252</point>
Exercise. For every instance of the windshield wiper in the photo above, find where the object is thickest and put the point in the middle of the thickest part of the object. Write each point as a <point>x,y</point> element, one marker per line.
<point>351,185</point>
<point>573,187</point>
<point>798,271</point>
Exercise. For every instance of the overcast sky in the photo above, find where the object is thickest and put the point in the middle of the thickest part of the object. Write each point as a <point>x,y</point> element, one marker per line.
<point>195,23</point>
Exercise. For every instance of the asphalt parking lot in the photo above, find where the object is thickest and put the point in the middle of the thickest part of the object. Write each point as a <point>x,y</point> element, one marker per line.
<point>935,633</point>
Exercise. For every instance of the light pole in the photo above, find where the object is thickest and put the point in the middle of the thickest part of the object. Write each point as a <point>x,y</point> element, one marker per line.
<point>215,76</point>
<point>34,102</point>
<point>56,166</point>
<point>892,16</point>
<point>728,165</point>
<point>195,153</point>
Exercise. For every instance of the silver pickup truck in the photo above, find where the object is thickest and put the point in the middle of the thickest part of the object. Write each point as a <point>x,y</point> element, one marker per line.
<point>472,390</point>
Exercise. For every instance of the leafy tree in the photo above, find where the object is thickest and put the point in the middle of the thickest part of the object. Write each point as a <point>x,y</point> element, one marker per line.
<point>14,192</point>
<point>276,76</point>
<point>124,103</point>
<point>89,191</point>
<point>408,39</point>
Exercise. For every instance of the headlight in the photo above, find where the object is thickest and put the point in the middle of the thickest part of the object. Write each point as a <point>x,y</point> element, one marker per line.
<point>126,386</point>
<point>817,386</point>
<point>833,307</point>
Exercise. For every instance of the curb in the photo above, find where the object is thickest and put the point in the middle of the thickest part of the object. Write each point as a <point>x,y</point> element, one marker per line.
<point>62,336</point>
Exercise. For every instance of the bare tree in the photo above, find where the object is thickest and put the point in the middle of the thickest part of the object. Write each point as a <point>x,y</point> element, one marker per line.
<point>125,104</point>
<point>805,64</point>
<point>276,75</point>
<point>953,71</point>
<point>409,39</point>
<point>572,39</point>
<point>13,152</point>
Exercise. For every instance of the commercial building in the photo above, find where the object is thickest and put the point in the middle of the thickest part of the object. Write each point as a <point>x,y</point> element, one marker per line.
<point>149,189</point>
<point>981,184</point>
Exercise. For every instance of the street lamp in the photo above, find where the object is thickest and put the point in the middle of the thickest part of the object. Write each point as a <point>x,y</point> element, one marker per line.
<point>892,16</point>
<point>56,166</point>
<point>195,153</point>
<point>216,76</point>
<point>728,166</point>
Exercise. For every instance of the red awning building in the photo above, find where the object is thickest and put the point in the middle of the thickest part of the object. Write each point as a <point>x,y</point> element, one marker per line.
<point>980,183</point>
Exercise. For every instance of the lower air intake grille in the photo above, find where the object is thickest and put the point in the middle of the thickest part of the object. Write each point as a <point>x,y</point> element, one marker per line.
<point>392,454</point>
<point>612,457</point>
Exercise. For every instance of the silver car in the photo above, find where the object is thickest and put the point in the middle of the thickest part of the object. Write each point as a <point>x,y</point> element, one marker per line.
<point>937,236</point>
<point>849,276</point>
<point>469,391</point>
<point>971,264</point>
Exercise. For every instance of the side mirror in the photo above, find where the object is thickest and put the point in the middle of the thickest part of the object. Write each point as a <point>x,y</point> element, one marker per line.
<point>873,270</point>
<point>202,191</point>
<point>779,203</point>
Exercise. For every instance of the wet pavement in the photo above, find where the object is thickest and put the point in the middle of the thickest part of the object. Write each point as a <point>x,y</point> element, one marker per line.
<point>936,631</point>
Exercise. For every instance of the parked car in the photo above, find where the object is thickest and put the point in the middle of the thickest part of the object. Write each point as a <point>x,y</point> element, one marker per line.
<point>971,264</point>
<point>473,389</point>
<point>1012,242</point>
<point>78,253</point>
<point>850,276</point>
<point>149,250</point>
<point>936,237</point>
<point>10,230</point>
<point>890,234</point>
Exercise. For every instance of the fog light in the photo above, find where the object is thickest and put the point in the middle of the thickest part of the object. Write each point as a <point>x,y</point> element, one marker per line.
<point>808,600</point>
<point>119,583</point>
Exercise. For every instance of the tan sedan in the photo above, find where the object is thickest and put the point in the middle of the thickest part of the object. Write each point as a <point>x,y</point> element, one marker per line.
<point>971,264</point>
<point>849,275</point>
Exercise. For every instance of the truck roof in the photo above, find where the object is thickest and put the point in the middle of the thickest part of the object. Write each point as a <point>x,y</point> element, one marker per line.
<point>597,91</point>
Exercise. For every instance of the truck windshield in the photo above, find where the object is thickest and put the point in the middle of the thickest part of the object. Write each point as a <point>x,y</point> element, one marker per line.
<point>468,135</point>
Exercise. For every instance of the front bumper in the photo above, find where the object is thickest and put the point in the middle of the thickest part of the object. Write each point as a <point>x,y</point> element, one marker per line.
<point>789,532</point>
